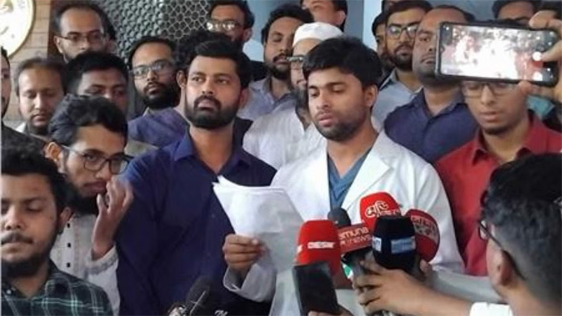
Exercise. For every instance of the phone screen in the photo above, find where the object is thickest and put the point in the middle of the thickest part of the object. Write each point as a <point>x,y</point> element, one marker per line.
<point>506,54</point>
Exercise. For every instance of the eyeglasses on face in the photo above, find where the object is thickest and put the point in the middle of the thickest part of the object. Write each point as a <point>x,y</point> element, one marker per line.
<point>296,61</point>
<point>472,89</point>
<point>395,31</point>
<point>95,162</point>
<point>219,26</point>
<point>161,67</point>
<point>95,37</point>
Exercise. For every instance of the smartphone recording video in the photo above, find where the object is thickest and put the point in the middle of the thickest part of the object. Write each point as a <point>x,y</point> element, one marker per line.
<point>507,54</point>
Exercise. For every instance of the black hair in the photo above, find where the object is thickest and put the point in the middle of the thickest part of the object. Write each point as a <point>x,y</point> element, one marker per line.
<point>405,6</point>
<point>40,62</point>
<point>349,55</point>
<point>249,18</point>
<point>285,11</point>
<point>555,6</point>
<point>5,55</point>
<point>186,45</point>
<point>74,112</point>
<point>339,5</point>
<point>146,40</point>
<point>379,20</point>
<point>92,61</point>
<point>227,50</point>
<point>84,5</point>
<point>499,4</point>
<point>21,162</point>
<point>469,17</point>
<point>523,203</point>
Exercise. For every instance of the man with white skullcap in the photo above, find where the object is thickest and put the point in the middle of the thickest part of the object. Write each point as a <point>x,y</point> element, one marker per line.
<point>280,137</point>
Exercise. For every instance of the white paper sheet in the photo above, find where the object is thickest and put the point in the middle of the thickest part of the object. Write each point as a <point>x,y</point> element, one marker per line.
<point>265,213</point>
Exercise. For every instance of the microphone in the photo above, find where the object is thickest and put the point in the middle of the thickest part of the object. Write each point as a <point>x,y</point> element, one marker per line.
<point>427,233</point>
<point>199,301</point>
<point>375,205</point>
<point>318,241</point>
<point>394,243</point>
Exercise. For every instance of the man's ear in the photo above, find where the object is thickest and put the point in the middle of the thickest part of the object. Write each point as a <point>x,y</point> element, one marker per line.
<point>181,78</point>
<point>247,34</point>
<point>58,43</point>
<point>371,94</point>
<point>340,17</point>
<point>64,217</point>
<point>500,268</point>
<point>244,97</point>
<point>54,152</point>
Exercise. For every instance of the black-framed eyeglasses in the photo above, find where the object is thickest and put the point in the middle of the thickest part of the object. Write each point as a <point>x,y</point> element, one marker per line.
<point>160,67</point>
<point>473,89</point>
<point>296,61</point>
<point>395,31</point>
<point>95,37</point>
<point>485,233</point>
<point>92,162</point>
<point>218,26</point>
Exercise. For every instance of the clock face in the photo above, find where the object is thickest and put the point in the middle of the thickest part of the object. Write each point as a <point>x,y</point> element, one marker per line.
<point>16,21</point>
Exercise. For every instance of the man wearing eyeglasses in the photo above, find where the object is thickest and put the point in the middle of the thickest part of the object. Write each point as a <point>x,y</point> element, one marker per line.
<point>79,27</point>
<point>507,130</point>
<point>401,86</point>
<point>88,137</point>
<point>235,19</point>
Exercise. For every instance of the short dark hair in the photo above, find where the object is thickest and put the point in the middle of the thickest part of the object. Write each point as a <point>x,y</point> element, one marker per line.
<point>555,6</point>
<point>469,17</point>
<point>499,4</point>
<point>84,5</point>
<point>20,162</point>
<point>227,50</point>
<point>186,45</point>
<point>285,11</point>
<point>146,40</point>
<point>74,112</point>
<point>339,5</point>
<point>92,61</point>
<point>379,20</point>
<point>348,54</point>
<point>523,203</point>
<point>40,62</point>
<point>5,55</point>
<point>405,6</point>
<point>249,18</point>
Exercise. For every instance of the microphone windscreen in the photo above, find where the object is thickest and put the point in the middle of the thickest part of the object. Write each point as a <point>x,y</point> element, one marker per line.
<point>318,241</point>
<point>394,243</point>
<point>375,205</point>
<point>339,217</point>
<point>196,299</point>
<point>427,233</point>
<point>354,237</point>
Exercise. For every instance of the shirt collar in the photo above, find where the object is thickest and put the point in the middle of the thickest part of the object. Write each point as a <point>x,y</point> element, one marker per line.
<point>57,283</point>
<point>535,141</point>
<point>392,78</point>
<point>185,149</point>
<point>262,86</point>
<point>419,101</point>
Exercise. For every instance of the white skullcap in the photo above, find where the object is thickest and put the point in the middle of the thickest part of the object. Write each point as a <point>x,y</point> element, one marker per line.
<point>317,30</point>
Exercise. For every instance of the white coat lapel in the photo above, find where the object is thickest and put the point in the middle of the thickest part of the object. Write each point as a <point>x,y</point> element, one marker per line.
<point>371,171</point>
<point>316,190</point>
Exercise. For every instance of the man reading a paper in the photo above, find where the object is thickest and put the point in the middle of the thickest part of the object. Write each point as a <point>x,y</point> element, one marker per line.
<point>342,74</point>
<point>175,229</point>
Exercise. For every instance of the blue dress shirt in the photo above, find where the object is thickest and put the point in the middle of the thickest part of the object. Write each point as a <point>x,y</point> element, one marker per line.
<point>431,137</point>
<point>175,229</point>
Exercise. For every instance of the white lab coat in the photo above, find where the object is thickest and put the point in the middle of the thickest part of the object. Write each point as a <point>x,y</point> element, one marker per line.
<point>388,167</point>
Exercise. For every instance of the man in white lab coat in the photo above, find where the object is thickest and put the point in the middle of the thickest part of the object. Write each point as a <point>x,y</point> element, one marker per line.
<point>280,137</point>
<point>357,161</point>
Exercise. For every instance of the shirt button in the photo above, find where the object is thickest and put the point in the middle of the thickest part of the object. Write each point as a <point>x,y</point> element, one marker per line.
<point>68,245</point>
<point>68,225</point>
<point>68,264</point>
<point>9,292</point>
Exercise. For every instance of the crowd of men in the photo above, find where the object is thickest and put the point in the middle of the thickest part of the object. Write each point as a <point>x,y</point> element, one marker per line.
<point>104,216</point>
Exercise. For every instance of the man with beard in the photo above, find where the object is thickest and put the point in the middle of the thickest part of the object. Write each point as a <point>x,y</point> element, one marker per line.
<point>401,86</point>
<point>508,130</point>
<point>357,161</point>
<point>34,197</point>
<point>272,94</point>
<point>176,227</point>
<point>517,10</point>
<point>169,125</point>
<point>152,66</point>
<point>11,138</point>
<point>276,138</point>
<point>39,86</point>
<point>104,75</point>
<point>81,26</point>
<point>379,32</point>
<point>88,137</point>
<point>437,120</point>
<point>235,19</point>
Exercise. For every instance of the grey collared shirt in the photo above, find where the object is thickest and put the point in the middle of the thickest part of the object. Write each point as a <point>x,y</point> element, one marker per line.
<point>262,102</point>
<point>393,94</point>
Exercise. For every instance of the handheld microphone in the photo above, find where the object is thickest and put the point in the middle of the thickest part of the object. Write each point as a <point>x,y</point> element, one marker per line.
<point>375,205</point>
<point>427,233</point>
<point>318,241</point>
<point>198,301</point>
<point>394,243</point>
